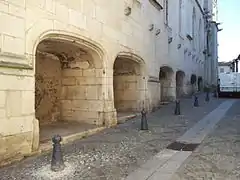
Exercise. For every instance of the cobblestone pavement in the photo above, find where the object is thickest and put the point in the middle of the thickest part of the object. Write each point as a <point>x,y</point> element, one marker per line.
<point>218,157</point>
<point>115,152</point>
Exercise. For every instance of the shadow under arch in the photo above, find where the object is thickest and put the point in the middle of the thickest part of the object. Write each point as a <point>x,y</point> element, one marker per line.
<point>200,83</point>
<point>166,77</point>
<point>67,86</point>
<point>180,76</point>
<point>129,84</point>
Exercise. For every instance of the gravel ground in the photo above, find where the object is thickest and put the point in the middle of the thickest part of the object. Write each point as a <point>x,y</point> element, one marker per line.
<point>115,152</point>
<point>218,157</point>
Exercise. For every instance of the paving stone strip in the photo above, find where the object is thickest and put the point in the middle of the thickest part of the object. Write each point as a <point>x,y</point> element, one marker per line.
<point>203,127</point>
<point>116,152</point>
<point>166,163</point>
<point>218,156</point>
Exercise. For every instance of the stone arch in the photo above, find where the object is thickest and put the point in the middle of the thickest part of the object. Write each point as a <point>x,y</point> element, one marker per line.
<point>135,58</point>
<point>43,28</point>
<point>93,47</point>
<point>69,76</point>
<point>166,77</point>
<point>128,82</point>
<point>180,75</point>
<point>200,83</point>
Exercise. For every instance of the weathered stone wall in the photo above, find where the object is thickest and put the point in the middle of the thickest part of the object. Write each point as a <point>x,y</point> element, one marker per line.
<point>168,90</point>
<point>154,91</point>
<point>82,96</point>
<point>127,93</point>
<point>16,114</point>
<point>103,27</point>
<point>48,84</point>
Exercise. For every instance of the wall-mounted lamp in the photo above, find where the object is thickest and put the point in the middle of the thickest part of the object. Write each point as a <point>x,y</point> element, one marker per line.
<point>151,26</point>
<point>127,11</point>
<point>158,32</point>
<point>170,39</point>
<point>179,46</point>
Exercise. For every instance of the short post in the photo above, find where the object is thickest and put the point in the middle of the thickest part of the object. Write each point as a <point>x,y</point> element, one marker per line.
<point>144,123</point>
<point>195,104</point>
<point>207,96</point>
<point>57,163</point>
<point>177,107</point>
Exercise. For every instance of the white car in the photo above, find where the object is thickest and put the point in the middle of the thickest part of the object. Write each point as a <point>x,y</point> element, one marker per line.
<point>229,84</point>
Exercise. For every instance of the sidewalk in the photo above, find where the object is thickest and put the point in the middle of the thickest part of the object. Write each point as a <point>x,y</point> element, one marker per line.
<point>218,157</point>
<point>165,164</point>
<point>115,152</point>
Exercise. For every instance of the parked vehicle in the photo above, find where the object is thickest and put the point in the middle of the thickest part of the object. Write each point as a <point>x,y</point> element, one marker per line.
<point>229,84</point>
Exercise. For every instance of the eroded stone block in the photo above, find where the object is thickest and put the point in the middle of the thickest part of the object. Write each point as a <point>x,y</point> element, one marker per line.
<point>14,103</point>
<point>15,125</point>
<point>14,147</point>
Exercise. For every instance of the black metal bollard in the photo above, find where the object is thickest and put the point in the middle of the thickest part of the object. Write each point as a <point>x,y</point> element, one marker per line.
<point>144,123</point>
<point>207,97</point>
<point>57,163</point>
<point>195,104</point>
<point>177,108</point>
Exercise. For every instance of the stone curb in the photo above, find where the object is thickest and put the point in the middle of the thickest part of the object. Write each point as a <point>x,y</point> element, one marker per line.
<point>45,147</point>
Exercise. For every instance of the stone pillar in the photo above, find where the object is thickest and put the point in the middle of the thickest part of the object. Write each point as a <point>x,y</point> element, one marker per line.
<point>153,91</point>
<point>172,89</point>
<point>109,114</point>
<point>16,114</point>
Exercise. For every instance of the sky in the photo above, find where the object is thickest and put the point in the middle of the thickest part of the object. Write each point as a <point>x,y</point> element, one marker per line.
<point>229,37</point>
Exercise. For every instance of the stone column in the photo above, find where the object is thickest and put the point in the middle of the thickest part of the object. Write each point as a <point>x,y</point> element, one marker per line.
<point>109,114</point>
<point>172,88</point>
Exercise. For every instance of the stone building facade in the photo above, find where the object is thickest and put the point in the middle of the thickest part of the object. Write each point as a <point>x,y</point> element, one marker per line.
<point>211,31</point>
<point>87,60</point>
<point>224,67</point>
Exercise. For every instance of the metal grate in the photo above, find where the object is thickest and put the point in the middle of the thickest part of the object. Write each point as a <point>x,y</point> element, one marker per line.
<point>179,146</point>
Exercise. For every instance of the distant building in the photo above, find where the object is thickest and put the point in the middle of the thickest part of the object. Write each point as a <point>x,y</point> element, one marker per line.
<point>224,67</point>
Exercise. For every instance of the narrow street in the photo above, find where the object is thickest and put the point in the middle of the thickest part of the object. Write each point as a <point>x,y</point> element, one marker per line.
<point>118,153</point>
<point>218,157</point>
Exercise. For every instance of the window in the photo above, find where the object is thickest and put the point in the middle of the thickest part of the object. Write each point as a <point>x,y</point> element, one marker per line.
<point>221,70</point>
<point>193,22</point>
<point>193,28</point>
<point>166,11</point>
<point>200,35</point>
<point>180,17</point>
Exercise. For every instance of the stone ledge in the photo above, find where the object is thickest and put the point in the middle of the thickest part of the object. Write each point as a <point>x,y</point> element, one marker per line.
<point>46,147</point>
<point>153,79</point>
<point>12,64</point>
